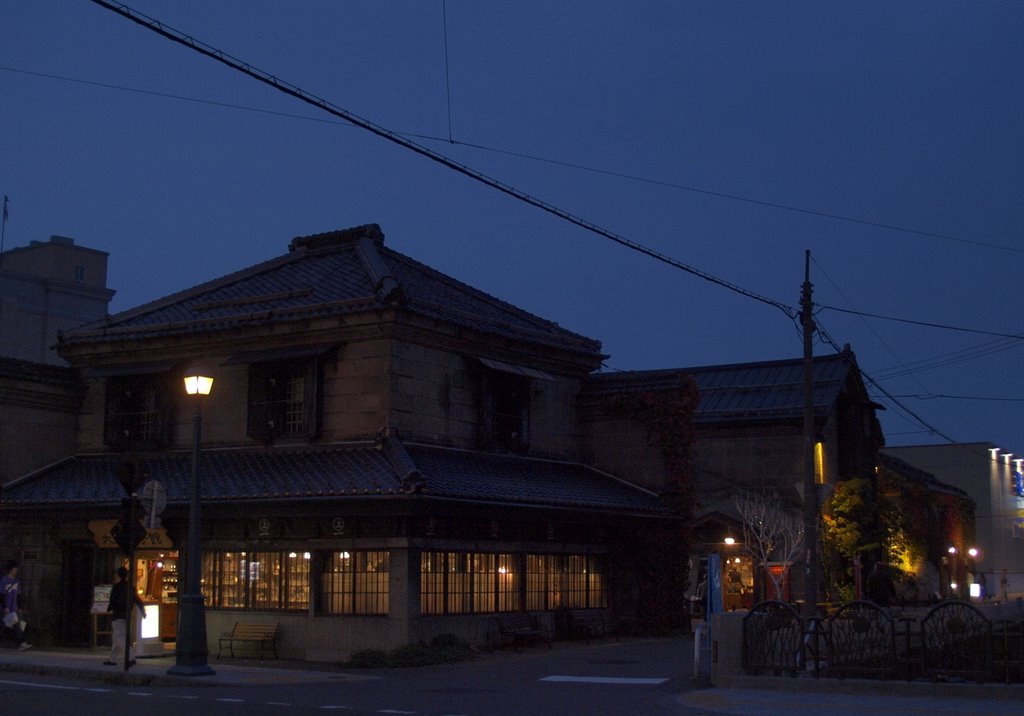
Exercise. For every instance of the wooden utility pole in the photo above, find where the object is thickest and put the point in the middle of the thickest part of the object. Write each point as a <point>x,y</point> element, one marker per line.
<point>810,483</point>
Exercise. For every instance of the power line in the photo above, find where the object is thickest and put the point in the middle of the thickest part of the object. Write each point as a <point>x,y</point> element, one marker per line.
<point>952,358</point>
<point>892,398</point>
<point>450,140</point>
<point>300,94</point>
<point>933,396</point>
<point>926,324</point>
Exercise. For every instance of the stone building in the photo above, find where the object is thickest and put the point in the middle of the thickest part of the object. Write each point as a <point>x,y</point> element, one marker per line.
<point>747,436</point>
<point>387,455</point>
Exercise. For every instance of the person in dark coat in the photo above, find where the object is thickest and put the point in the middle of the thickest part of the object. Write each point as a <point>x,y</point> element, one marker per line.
<point>118,610</point>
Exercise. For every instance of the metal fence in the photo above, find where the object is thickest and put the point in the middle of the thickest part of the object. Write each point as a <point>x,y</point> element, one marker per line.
<point>952,640</point>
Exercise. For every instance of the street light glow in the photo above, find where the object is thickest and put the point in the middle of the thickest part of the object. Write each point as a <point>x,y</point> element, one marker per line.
<point>198,384</point>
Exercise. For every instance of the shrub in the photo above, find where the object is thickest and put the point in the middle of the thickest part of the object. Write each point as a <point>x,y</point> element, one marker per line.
<point>442,649</point>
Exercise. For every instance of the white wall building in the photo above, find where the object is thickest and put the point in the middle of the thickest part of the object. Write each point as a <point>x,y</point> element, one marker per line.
<point>993,479</point>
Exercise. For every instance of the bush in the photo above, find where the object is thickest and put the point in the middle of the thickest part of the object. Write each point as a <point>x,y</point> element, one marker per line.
<point>442,649</point>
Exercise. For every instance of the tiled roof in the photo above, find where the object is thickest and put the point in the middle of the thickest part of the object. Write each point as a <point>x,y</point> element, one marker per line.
<point>506,478</point>
<point>327,274</point>
<point>338,473</point>
<point>42,372</point>
<point>770,390</point>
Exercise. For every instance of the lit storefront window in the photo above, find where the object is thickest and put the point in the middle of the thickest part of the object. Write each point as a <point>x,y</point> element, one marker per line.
<point>475,583</point>
<point>356,583</point>
<point>256,580</point>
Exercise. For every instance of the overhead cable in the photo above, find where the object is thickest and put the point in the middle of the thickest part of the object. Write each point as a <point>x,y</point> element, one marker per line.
<point>297,92</point>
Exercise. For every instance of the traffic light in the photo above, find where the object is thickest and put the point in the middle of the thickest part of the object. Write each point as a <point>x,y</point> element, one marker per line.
<point>128,531</point>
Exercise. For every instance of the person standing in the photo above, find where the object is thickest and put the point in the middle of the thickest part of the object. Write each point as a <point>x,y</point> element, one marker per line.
<point>118,609</point>
<point>10,586</point>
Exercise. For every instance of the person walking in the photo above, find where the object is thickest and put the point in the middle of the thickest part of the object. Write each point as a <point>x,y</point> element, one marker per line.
<point>10,586</point>
<point>118,609</point>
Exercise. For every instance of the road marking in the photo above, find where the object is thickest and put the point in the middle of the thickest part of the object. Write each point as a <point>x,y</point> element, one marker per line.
<point>139,693</point>
<point>42,686</point>
<point>233,701</point>
<point>603,680</point>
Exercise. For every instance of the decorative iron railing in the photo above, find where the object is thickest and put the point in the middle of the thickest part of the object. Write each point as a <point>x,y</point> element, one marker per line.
<point>953,640</point>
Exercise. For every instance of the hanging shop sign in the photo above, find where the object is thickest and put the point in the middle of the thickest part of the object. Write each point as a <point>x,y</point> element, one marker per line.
<point>1018,483</point>
<point>103,535</point>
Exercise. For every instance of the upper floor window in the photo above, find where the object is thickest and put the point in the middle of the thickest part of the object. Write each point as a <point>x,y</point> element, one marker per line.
<point>505,411</point>
<point>284,392</point>
<point>137,412</point>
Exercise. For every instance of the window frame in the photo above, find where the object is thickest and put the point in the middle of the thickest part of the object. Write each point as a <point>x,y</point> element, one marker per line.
<point>137,411</point>
<point>360,591</point>
<point>270,404</point>
<point>459,583</point>
<point>233,580</point>
<point>505,411</point>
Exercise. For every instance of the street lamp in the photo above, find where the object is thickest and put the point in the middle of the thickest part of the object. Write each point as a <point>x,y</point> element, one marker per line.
<point>190,643</point>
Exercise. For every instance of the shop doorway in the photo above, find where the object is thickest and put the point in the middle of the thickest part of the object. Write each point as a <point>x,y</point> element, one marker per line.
<point>156,581</point>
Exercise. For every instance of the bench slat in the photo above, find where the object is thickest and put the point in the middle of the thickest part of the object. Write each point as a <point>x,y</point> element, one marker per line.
<point>263,635</point>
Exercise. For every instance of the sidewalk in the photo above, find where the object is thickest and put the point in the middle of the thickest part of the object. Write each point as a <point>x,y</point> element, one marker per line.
<point>764,695</point>
<point>152,671</point>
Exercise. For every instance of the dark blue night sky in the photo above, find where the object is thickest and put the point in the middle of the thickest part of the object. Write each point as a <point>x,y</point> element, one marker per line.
<point>885,137</point>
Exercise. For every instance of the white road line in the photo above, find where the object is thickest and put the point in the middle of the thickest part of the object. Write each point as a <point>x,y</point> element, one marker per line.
<point>100,691</point>
<point>42,686</point>
<point>139,693</point>
<point>603,680</point>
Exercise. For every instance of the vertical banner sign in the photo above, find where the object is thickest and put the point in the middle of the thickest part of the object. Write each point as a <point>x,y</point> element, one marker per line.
<point>715,604</point>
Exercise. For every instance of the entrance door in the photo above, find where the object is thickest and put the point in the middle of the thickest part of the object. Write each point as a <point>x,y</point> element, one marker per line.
<point>76,624</point>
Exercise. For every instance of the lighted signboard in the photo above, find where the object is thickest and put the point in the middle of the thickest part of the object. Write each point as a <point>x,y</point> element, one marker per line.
<point>1018,483</point>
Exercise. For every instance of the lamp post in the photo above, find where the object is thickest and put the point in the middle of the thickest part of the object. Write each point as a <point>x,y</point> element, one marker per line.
<point>190,643</point>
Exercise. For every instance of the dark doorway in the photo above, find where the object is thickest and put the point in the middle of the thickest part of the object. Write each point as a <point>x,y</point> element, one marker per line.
<point>77,577</point>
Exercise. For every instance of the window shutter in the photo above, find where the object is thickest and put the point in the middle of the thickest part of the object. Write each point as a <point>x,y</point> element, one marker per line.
<point>311,397</point>
<point>486,412</point>
<point>163,405</point>
<point>113,424</point>
<point>258,420</point>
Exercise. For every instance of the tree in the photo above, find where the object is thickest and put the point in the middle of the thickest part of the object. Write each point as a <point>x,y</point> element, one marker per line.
<point>771,532</point>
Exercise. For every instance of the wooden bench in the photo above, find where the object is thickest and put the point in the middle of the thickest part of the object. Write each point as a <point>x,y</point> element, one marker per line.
<point>517,628</point>
<point>262,635</point>
<point>588,623</point>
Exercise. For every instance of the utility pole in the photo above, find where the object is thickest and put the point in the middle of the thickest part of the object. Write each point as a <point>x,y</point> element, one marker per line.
<point>810,484</point>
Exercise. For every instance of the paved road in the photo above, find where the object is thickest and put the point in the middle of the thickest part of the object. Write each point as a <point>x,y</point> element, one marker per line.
<point>631,678</point>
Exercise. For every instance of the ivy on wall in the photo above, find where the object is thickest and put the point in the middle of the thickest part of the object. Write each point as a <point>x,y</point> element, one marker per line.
<point>662,556</point>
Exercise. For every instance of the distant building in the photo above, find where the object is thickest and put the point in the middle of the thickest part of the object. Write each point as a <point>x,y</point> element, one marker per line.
<point>46,288</point>
<point>992,478</point>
